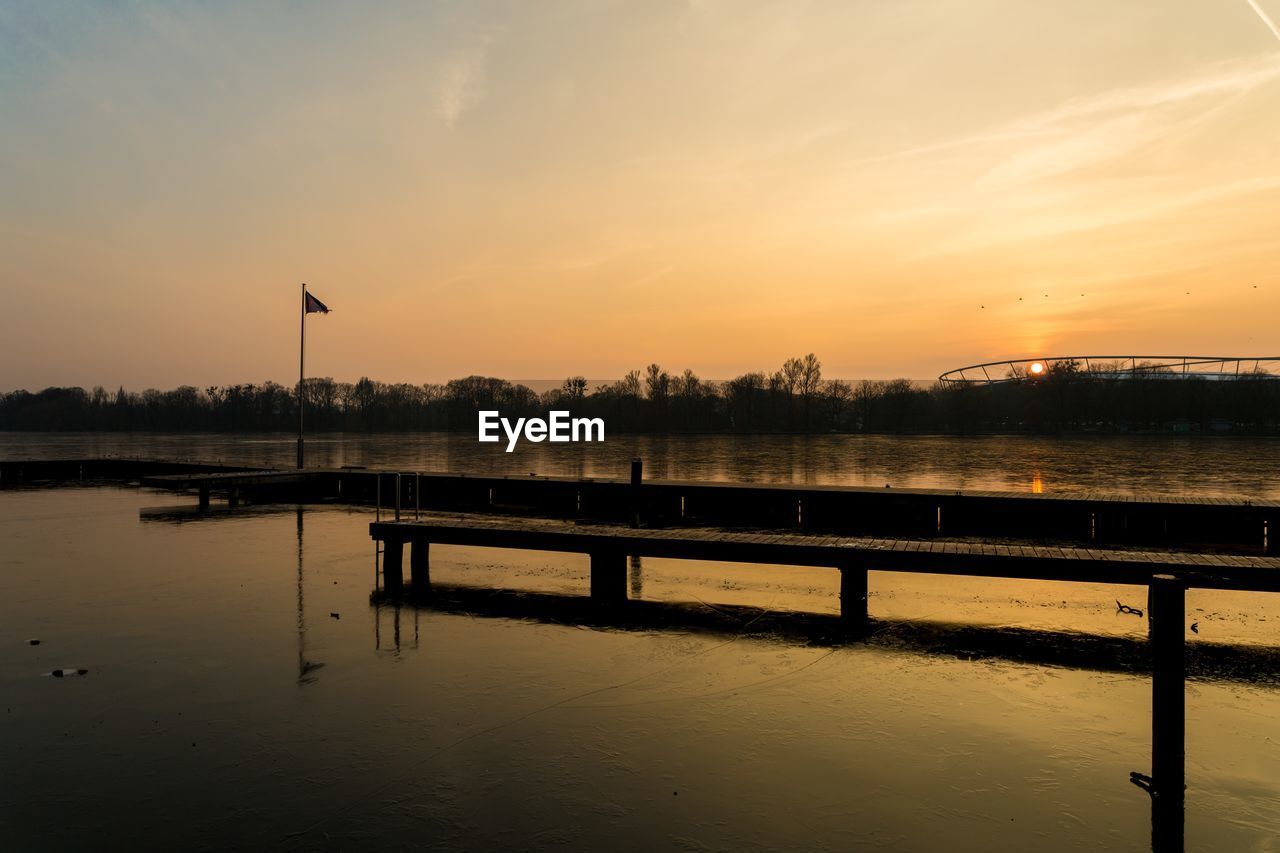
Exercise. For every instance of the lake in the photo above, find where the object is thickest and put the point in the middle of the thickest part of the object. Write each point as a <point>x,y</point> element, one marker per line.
<point>1172,465</point>
<point>242,692</point>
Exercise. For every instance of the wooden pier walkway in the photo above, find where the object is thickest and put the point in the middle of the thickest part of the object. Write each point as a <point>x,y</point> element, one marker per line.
<point>1235,525</point>
<point>1231,524</point>
<point>610,545</point>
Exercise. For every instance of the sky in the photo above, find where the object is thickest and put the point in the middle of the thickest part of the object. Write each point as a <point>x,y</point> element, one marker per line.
<point>545,189</point>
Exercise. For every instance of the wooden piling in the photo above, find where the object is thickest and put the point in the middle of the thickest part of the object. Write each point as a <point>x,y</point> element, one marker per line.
<point>637,474</point>
<point>420,566</point>
<point>608,576</point>
<point>393,565</point>
<point>1168,708</point>
<point>853,595</point>
<point>204,496</point>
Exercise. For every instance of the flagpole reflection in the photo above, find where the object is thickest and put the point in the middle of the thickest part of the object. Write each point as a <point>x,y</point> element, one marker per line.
<point>305,667</point>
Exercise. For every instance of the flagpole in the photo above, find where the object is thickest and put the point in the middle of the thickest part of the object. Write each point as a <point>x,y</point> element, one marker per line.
<point>302,356</point>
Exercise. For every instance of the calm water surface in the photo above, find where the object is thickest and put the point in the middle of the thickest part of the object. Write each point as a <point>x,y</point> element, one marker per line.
<point>243,693</point>
<point>1194,465</point>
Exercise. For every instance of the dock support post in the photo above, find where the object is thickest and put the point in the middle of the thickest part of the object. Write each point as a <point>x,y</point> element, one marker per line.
<point>637,474</point>
<point>1168,710</point>
<point>233,497</point>
<point>204,496</point>
<point>608,576</point>
<point>393,566</point>
<point>853,596</point>
<point>420,566</point>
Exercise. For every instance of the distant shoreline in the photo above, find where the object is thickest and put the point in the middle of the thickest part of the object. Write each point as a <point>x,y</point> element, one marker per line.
<point>793,400</point>
<point>320,434</point>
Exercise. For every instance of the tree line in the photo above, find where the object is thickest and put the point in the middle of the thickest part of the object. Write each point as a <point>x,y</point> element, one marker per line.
<point>795,398</point>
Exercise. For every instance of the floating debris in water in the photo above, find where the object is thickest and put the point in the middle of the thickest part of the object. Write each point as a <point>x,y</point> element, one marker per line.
<point>33,642</point>
<point>1124,608</point>
<point>67,672</point>
<point>1195,627</point>
<point>335,616</point>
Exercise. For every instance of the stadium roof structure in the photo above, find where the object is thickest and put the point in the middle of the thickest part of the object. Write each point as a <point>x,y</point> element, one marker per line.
<point>1213,368</point>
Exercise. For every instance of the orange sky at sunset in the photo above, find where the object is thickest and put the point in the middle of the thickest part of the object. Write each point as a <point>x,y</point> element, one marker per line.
<point>545,189</point>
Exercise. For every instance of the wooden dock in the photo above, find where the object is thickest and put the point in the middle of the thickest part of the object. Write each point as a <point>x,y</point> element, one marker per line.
<point>609,545</point>
<point>18,472</point>
<point>1167,575</point>
<point>1231,525</point>
<point>1220,524</point>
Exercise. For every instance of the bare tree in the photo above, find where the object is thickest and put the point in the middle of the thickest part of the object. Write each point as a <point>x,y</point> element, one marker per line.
<point>838,393</point>
<point>688,385</point>
<point>792,369</point>
<point>809,381</point>
<point>657,383</point>
<point>574,388</point>
<point>629,385</point>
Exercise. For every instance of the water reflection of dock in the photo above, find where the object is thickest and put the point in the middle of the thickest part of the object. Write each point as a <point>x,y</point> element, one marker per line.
<point>1164,783</point>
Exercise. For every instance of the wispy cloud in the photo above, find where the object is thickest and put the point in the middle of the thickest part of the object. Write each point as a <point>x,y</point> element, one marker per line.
<point>460,82</point>
<point>1266,19</point>
<point>1086,131</point>
<point>1098,160</point>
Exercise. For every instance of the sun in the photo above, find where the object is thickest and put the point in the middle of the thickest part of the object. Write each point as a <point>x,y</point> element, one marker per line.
<point>1037,368</point>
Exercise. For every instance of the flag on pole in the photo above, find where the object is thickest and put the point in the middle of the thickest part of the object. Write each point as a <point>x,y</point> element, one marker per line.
<point>315,305</point>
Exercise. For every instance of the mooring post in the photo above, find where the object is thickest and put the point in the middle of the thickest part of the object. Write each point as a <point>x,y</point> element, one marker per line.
<point>420,566</point>
<point>398,496</point>
<point>204,495</point>
<point>853,595</point>
<point>608,576</point>
<point>393,565</point>
<point>1168,710</point>
<point>637,474</point>
<point>417,498</point>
